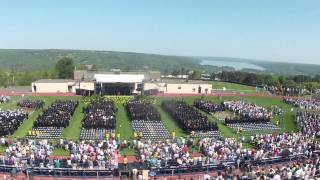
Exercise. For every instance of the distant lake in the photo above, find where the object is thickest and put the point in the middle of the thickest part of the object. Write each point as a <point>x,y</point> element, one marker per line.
<point>235,65</point>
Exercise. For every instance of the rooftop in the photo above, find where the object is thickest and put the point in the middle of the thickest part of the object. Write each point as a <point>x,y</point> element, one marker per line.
<point>54,81</point>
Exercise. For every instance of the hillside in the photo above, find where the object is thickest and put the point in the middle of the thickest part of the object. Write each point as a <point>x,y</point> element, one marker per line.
<point>29,60</point>
<point>45,59</point>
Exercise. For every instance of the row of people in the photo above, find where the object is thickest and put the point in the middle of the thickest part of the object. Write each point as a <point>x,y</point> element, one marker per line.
<point>31,104</point>
<point>11,121</point>
<point>142,110</point>
<point>309,123</point>
<point>176,152</point>
<point>93,154</point>
<point>180,151</point>
<point>247,112</point>
<point>208,106</point>
<point>309,104</point>
<point>100,114</point>
<point>283,145</point>
<point>188,117</point>
<point>304,168</point>
<point>57,115</point>
<point>27,152</point>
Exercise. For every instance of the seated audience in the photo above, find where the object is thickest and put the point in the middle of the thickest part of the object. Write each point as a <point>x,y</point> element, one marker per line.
<point>142,110</point>
<point>208,106</point>
<point>100,114</point>
<point>11,121</point>
<point>31,104</point>
<point>4,99</point>
<point>247,113</point>
<point>188,117</point>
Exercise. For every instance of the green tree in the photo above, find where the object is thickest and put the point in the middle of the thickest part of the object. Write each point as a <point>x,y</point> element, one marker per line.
<point>64,68</point>
<point>196,74</point>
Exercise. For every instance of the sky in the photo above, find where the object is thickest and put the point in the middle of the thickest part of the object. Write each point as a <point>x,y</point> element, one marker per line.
<point>277,30</point>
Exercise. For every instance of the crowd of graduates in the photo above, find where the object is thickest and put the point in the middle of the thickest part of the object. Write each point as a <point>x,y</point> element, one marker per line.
<point>247,113</point>
<point>57,115</point>
<point>208,106</point>
<point>188,117</point>
<point>31,104</point>
<point>11,121</point>
<point>142,110</point>
<point>309,123</point>
<point>100,114</point>
<point>308,104</point>
<point>4,99</point>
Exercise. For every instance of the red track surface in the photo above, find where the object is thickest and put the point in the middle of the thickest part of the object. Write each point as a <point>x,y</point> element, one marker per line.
<point>6,93</point>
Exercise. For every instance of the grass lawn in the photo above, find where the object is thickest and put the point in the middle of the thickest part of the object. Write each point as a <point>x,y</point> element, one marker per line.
<point>123,123</point>
<point>218,85</point>
<point>73,130</point>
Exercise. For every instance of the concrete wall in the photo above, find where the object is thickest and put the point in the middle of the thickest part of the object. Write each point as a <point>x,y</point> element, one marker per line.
<point>53,87</point>
<point>179,88</point>
<point>87,86</point>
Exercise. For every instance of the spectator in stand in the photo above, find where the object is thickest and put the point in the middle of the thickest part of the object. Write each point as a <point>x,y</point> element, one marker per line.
<point>309,104</point>
<point>309,123</point>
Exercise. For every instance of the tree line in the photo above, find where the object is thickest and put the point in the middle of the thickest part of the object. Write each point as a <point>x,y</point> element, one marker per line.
<point>63,70</point>
<point>65,66</point>
<point>310,83</point>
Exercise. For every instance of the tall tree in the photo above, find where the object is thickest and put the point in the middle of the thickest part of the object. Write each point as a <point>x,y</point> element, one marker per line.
<point>64,68</point>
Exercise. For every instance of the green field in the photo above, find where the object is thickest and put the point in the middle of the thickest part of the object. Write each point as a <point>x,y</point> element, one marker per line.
<point>232,86</point>
<point>124,127</point>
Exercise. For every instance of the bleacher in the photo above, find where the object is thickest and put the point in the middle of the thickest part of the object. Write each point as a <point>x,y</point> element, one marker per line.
<point>247,127</point>
<point>146,120</point>
<point>152,130</point>
<point>45,133</point>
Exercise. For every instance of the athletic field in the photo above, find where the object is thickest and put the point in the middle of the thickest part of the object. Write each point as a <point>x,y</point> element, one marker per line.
<point>124,127</point>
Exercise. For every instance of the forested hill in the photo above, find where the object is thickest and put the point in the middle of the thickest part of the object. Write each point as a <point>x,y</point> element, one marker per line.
<point>46,59</point>
<point>30,60</point>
